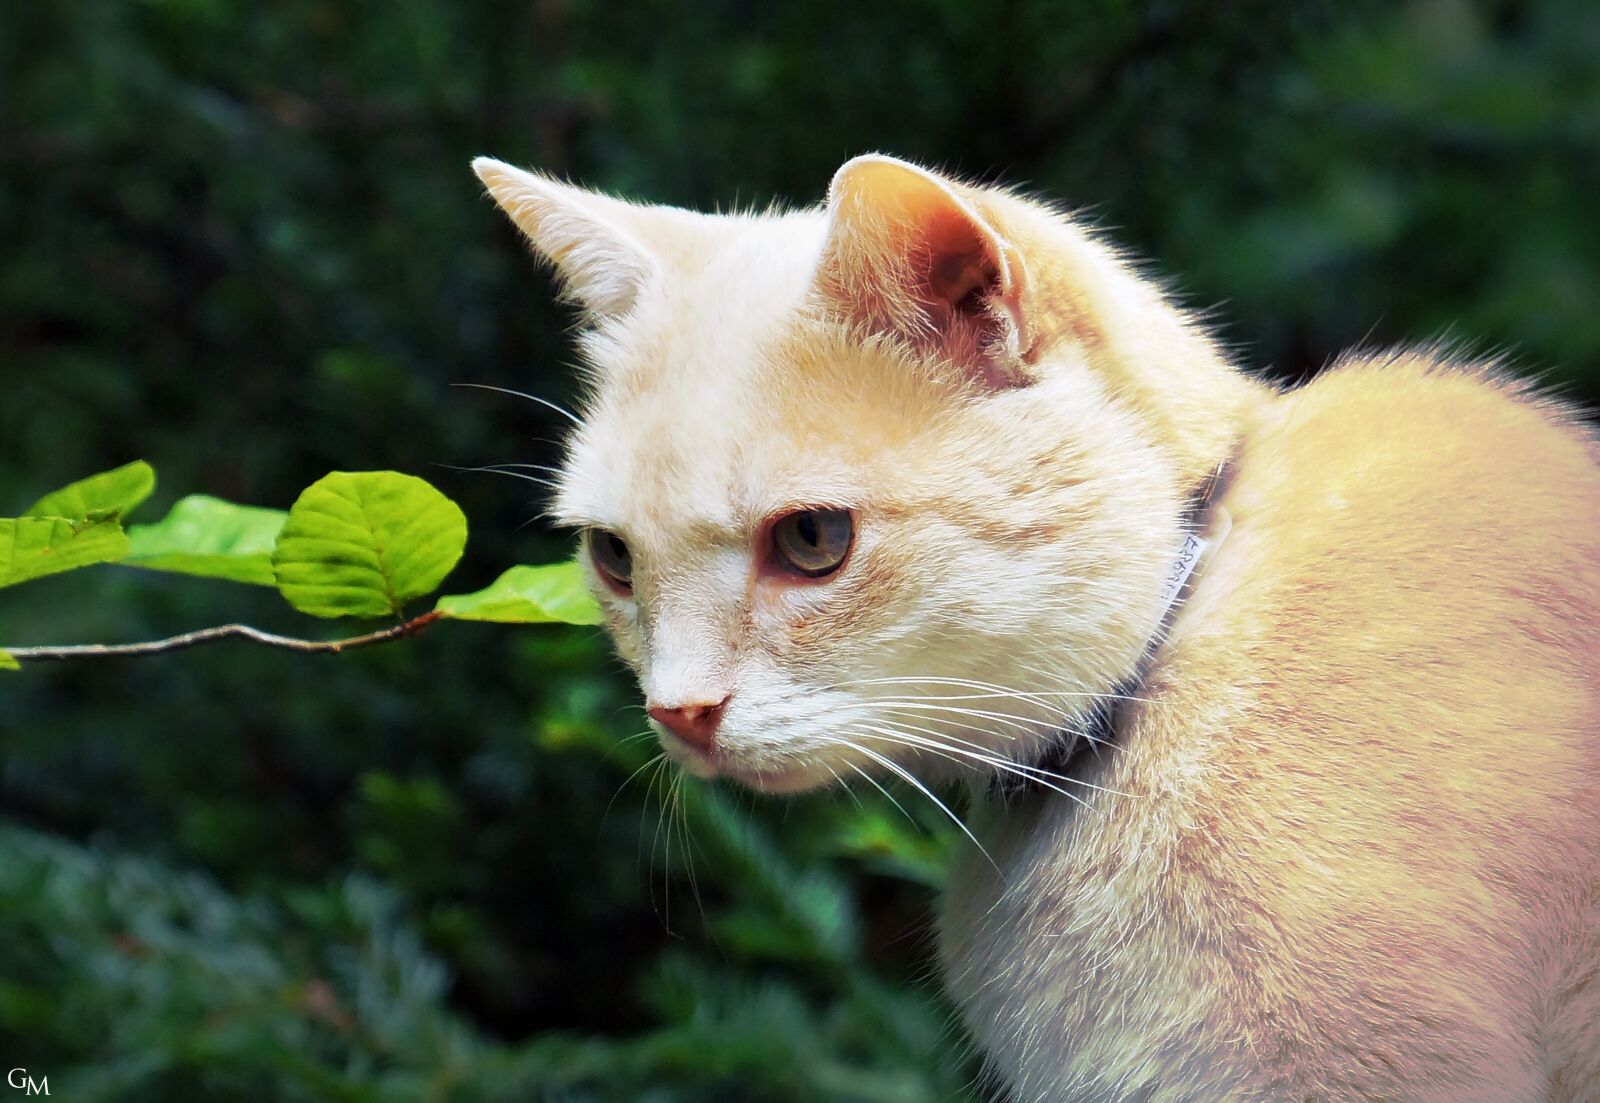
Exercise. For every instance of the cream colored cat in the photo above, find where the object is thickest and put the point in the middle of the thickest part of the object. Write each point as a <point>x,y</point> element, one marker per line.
<point>895,487</point>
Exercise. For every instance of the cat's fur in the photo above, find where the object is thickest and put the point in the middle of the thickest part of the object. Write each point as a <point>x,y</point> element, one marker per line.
<point>1348,846</point>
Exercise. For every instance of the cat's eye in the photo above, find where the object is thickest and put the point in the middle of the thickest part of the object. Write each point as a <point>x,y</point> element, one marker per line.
<point>813,542</point>
<point>611,557</point>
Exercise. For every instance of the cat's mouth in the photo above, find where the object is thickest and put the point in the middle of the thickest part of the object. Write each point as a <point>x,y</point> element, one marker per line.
<point>790,778</point>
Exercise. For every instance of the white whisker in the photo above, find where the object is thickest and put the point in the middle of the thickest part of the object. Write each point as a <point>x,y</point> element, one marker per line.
<point>493,469</point>
<point>568,414</point>
<point>1029,724</point>
<point>658,757</point>
<point>1028,773</point>
<point>688,844</point>
<point>872,781</point>
<point>982,754</point>
<point>906,776</point>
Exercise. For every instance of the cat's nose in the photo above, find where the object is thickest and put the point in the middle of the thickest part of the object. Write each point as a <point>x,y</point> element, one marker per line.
<point>695,724</point>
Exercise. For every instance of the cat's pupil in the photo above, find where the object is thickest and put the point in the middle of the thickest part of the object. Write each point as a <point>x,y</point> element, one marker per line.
<point>807,526</point>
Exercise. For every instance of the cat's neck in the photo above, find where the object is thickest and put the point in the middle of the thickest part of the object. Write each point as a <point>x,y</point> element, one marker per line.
<point>1206,525</point>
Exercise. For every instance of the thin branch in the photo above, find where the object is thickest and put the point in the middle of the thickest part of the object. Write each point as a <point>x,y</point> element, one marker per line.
<point>222,632</point>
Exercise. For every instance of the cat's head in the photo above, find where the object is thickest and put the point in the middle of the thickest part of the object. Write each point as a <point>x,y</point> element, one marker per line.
<point>888,486</point>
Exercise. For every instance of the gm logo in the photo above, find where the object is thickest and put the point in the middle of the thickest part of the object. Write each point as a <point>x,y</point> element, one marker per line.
<point>19,1078</point>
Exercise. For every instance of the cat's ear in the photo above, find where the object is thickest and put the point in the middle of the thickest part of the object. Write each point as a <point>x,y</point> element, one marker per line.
<point>909,254</point>
<point>586,236</point>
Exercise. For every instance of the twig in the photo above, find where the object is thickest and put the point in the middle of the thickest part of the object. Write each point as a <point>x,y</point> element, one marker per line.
<point>222,632</point>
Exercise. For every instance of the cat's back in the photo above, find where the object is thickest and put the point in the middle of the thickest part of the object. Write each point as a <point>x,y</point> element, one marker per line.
<point>1415,603</point>
<point>1404,505</point>
<point>1455,448</point>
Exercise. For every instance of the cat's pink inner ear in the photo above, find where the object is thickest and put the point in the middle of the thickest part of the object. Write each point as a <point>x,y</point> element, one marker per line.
<point>910,254</point>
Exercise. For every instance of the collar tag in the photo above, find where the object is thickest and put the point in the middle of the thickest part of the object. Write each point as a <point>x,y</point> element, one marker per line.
<point>1197,547</point>
<point>1099,722</point>
<point>1194,546</point>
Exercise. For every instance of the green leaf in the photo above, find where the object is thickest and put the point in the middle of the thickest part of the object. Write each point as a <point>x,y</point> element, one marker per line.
<point>8,661</point>
<point>112,493</point>
<point>529,595</point>
<point>362,544</point>
<point>209,537</point>
<point>32,547</point>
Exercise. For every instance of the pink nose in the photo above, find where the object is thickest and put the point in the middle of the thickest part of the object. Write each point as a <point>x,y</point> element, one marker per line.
<point>696,725</point>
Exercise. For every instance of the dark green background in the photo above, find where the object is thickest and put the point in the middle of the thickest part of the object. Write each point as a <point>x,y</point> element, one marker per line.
<point>240,240</point>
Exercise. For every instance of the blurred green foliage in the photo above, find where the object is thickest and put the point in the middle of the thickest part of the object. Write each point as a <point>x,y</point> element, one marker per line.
<point>241,240</point>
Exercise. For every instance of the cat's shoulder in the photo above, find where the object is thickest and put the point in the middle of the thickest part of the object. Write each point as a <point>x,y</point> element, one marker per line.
<point>1425,417</point>
<point>1416,396</point>
<point>1411,457</point>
